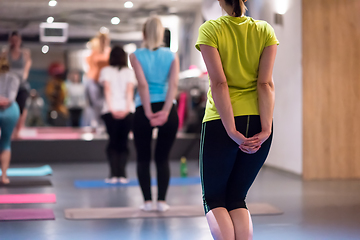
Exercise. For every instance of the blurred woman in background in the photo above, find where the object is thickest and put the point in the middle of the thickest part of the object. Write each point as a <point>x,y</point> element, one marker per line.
<point>56,93</point>
<point>156,69</point>
<point>20,63</point>
<point>98,59</point>
<point>9,114</point>
<point>118,81</point>
<point>76,100</point>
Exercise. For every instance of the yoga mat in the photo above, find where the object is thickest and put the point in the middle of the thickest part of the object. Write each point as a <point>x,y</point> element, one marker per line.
<point>134,182</point>
<point>174,211</point>
<point>29,172</point>
<point>27,198</point>
<point>26,183</point>
<point>26,214</point>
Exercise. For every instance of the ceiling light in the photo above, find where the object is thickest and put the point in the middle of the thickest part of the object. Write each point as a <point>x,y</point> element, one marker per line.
<point>50,20</point>
<point>281,6</point>
<point>52,3</point>
<point>104,30</point>
<point>128,4</point>
<point>115,20</point>
<point>45,49</point>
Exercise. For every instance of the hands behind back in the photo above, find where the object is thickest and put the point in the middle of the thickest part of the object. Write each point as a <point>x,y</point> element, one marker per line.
<point>249,145</point>
<point>159,118</point>
<point>253,144</point>
<point>4,102</point>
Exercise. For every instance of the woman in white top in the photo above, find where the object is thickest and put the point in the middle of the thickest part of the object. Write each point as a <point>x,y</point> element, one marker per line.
<point>76,100</point>
<point>118,81</point>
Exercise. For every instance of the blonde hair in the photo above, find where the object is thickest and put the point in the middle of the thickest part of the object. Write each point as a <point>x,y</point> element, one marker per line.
<point>95,43</point>
<point>4,65</point>
<point>153,31</point>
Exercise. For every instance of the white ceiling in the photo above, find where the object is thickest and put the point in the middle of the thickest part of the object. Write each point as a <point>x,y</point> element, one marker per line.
<point>85,17</point>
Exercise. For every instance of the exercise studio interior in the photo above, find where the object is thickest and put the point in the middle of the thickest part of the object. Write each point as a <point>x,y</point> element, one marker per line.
<point>179,120</point>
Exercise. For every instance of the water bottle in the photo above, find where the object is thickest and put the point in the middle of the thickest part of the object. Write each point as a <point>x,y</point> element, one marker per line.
<point>183,167</point>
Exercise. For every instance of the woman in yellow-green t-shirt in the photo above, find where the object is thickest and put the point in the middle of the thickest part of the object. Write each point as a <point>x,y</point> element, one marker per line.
<point>239,53</point>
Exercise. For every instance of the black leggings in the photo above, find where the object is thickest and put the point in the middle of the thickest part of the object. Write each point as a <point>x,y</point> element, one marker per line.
<point>21,98</point>
<point>117,148</point>
<point>165,140</point>
<point>226,172</point>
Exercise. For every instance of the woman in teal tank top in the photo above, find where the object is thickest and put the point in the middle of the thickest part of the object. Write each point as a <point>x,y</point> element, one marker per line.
<point>156,69</point>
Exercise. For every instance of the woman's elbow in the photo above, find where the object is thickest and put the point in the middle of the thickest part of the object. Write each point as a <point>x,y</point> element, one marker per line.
<point>268,86</point>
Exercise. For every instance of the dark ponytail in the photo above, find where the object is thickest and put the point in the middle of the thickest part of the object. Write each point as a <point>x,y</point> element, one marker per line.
<point>239,7</point>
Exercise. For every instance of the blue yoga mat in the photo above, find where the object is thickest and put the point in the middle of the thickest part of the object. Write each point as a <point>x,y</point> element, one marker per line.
<point>29,172</point>
<point>134,182</point>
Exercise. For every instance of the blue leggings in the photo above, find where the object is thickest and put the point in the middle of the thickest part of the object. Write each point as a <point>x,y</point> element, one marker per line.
<point>8,120</point>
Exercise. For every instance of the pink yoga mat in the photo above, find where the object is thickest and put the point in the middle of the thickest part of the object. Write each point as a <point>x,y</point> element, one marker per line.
<point>28,198</point>
<point>26,214</point>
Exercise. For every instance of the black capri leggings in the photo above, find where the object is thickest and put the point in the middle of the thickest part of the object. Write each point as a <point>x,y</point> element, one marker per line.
<point>165,139</point>
<point>21,98</point>
<point>226,172</point>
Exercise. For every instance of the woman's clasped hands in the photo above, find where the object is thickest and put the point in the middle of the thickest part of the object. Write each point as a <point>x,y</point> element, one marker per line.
<point>158,118</point>
<point>250,145</point>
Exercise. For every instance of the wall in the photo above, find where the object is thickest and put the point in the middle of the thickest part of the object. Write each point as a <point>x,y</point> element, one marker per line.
<point>286,151</point>
<point>331,89</point>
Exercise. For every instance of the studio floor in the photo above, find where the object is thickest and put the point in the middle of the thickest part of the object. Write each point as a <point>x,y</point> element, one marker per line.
<point>313,210</point>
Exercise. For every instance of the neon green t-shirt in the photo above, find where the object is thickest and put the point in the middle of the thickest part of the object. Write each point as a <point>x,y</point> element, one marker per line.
<point>240,42</point>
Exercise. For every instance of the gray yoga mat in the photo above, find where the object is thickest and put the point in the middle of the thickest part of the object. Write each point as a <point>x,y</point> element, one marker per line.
<point>26,183</point>
<point>174,211</point>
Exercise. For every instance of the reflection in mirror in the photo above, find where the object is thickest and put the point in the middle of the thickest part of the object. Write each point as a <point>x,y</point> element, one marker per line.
<point>62,77</point>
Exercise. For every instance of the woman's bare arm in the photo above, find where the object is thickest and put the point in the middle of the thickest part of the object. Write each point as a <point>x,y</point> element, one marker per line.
<point>173,84</point>
<point>266,88</point>
<point>143,86</point>
<point>28,63</point>
<point>129,96</point>
<point>220,92</point>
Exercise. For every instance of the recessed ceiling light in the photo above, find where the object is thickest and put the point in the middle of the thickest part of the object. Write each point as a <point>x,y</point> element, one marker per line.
<point>45,49</point>
<point>128,4</point>
<point>52,3</point>
<point>104,30</point>
<point>50,20</point>
<point>115,20</point>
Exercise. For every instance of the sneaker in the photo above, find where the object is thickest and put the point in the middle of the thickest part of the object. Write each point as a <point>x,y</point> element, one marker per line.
<point>162,206</point>
<point>112,180</point>
<point>147,207</point>
<point>123,180</point>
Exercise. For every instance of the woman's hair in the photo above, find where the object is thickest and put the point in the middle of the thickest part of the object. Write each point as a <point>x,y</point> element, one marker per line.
<point>118,57</point>
<point>14,33</point>
<point>239,7</point>
<point>4,65</point>
<point>153,31</point>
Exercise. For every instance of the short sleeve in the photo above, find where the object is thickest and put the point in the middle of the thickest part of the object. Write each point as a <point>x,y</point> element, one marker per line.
<point>13,88</point>
<point>270,36</point>
<point>207,36</point>
<point>104,75</point>
<point>131,76</point>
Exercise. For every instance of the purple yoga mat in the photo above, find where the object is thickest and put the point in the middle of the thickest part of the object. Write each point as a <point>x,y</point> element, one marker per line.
<point>26,214</point>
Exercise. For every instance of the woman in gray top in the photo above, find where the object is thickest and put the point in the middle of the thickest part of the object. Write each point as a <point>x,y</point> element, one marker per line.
<point>9,114</point>
<point>20,63</point>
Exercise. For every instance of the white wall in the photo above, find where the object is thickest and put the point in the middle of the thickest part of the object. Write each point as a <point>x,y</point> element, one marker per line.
<point>286,151</point>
